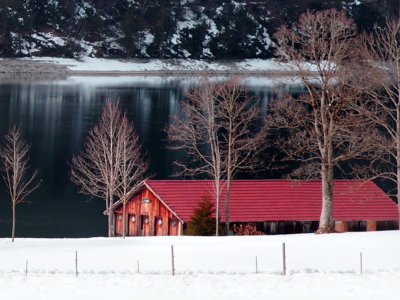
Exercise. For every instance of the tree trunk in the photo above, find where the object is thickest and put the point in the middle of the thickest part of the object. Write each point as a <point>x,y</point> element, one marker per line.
<point>398,169</point>
<point>111,231</point>
<point>398,183</point>
<point>326,220</point>
<point>123,220</point>
<point>217,214</point>
<point>13,223</point>
<point>218,210</point>
<point>228,190</point>
<point>398,157</point>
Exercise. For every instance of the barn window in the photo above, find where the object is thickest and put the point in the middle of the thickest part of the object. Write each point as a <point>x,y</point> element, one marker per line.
<point>174,223</point>
<point>145,200</point>
<point>119,217</point>
<point>159,221</point>
<point>133,219</point>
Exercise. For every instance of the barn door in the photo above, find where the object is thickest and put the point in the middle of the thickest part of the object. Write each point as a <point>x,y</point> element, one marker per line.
<point>118,224</point>
<point>132,225</point>
<point>173,227</point>
<point>158,225</point>
<point>145,226</point>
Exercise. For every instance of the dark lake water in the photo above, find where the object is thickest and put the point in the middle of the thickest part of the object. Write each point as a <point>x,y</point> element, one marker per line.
<point>55,116</point>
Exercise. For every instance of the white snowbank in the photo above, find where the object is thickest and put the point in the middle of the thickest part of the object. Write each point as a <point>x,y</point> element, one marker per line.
<point>326,266</point>
<point>88,64</point>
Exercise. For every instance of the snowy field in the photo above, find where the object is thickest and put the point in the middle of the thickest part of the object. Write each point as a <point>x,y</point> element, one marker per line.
<point>318,266</point>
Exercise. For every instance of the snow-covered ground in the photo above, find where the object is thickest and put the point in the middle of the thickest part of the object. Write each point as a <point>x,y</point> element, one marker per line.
<point>88,64</point>
<point>318,267</point>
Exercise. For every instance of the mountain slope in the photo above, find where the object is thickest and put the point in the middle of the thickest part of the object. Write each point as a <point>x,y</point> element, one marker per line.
<point>198,29</point>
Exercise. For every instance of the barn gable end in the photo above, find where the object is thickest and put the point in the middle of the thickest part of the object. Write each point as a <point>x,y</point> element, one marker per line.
<point>146,215</point>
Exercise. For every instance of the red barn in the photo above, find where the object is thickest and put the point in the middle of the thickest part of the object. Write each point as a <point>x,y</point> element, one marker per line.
<point>163,207</point>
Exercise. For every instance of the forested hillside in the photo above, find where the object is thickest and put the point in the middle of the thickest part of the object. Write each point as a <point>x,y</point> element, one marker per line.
<point>208,29</point>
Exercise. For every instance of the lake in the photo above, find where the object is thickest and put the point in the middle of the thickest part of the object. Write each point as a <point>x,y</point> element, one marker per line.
<point>55,116</point>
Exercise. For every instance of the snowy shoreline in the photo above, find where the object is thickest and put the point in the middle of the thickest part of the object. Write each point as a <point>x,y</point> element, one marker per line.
<point>116,67</point>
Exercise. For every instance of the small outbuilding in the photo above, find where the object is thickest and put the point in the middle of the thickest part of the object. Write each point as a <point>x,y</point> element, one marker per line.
<point>163,207</point>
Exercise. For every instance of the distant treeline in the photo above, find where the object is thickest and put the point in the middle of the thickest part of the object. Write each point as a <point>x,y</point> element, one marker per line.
<point>210,29</point>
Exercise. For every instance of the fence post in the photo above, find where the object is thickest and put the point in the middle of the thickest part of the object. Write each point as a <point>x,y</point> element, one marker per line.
<point>256,266</point>
<point>284,258</point>
<point>361,263</point>
<point>172,256</point>
<point>26,268</point>
<point>138,266</point>
<point>76,263</point>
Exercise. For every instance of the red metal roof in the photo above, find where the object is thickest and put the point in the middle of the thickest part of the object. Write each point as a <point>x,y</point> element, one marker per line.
<point>275,200</point>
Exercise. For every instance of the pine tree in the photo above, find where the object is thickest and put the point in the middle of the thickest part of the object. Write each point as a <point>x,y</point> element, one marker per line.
<point>202,222</point>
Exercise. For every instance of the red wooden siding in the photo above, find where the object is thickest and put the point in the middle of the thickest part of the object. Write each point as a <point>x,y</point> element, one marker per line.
<point>147,215</point>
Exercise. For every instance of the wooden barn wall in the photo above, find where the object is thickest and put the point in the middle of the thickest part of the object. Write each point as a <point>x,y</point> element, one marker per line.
<point>287,227</point>
<point>284,227</point>
<point>153,212</point>
<point>292,227</point>
<point>380,225</point>
<point>387,225</point>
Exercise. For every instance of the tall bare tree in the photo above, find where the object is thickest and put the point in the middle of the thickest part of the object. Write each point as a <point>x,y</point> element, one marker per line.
<point>196,131</point>
<point>132,165</point>
<point>325,130</point>
<point>382,49</point>
<point>243,134</point>
<point>110,164</point>
<point>15,167</point>
<point>217,127</point>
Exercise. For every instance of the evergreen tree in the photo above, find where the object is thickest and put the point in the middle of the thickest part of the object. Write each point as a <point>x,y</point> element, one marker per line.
<point>202,222</point>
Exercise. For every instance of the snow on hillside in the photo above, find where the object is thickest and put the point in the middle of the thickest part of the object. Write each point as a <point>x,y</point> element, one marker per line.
<point>145,29</point>
<point>326,266</point>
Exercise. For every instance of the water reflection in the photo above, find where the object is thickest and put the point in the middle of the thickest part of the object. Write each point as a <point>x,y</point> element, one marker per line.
<point>55,117</point>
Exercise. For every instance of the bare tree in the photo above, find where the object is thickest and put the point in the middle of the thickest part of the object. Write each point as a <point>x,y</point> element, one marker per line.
<point>110,163</point>
<point>382,49</point>
<point>15,166</point>
<point>132,166</point>
<point>220,129</point>
<point>243,135</point>
<point>324,129</point>
<point>196,131</point>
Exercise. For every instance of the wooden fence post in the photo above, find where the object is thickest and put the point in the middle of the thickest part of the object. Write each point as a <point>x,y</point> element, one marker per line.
<point>256,266</point>
<point>284,258</point>
<point>361,263</point>
<point>172,256</point>
<point>76,263</point>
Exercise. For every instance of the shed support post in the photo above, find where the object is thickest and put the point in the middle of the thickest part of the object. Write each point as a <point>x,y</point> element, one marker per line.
<point>180,229</point>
